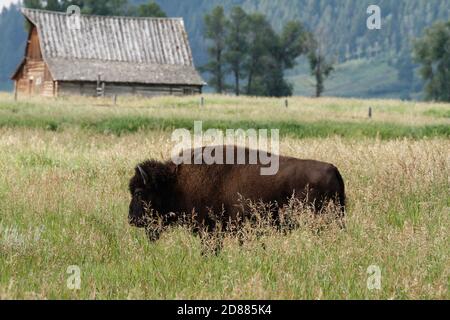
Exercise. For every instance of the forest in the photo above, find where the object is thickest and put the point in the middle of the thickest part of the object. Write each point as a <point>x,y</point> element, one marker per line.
<point>368,63</point>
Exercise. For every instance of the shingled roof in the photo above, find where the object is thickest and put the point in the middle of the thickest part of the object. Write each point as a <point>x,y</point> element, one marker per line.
<point>121,49</point>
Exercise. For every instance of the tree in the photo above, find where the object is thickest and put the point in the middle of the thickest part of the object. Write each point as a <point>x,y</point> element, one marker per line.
<point>260,37</point>
<point>105,8</point>
<point>318,64</point>
<point>110,7</point>
<point>237,41</point>
<point>248,46</point>
<point>293,43</point>
<point>53,5</point>
<point>216,33</point>
<point>33,4</point>
<point>285,49</point>
<point>151,9</point>
<point>432,51</point>
<point>64,4</point>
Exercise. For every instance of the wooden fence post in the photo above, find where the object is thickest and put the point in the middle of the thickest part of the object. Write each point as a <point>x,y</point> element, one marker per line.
<point>370,112</point>
<point>100,87</point>
<point>15,90</point>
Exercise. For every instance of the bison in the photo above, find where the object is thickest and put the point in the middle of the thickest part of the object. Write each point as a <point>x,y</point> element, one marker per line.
<point>165,191</point>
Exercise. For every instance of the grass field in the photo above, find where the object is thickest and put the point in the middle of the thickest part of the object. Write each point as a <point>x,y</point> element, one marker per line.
<point>65,166</point>
<point>362,78</point>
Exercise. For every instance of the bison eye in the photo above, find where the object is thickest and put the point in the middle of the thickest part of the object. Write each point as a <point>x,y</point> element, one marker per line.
<point>138,192</point>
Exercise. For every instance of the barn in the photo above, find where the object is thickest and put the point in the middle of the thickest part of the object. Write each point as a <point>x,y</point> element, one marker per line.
<point>108,56</point>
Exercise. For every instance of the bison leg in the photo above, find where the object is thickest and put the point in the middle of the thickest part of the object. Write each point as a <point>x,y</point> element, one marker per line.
<point>211,236</point>
<point>212,242</point>
<point>153,233</point>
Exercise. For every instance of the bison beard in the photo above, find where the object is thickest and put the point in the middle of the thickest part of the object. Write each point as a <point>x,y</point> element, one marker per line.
<point>163,192</point>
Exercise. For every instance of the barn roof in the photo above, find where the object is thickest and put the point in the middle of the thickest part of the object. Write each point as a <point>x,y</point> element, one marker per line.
<point>120,49</point>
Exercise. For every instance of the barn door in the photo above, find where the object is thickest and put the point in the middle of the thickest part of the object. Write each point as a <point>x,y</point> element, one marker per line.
<point>30,86</point>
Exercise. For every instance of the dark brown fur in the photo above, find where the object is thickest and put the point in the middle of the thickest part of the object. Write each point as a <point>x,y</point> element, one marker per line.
<point>173,190</point>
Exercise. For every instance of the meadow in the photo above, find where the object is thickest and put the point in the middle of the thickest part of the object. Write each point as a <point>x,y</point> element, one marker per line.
<point>65,166</point>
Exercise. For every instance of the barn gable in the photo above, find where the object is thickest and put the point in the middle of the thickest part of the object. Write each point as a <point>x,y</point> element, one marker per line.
<point>147,51</point>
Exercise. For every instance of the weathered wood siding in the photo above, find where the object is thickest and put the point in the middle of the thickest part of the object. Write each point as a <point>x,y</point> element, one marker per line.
<point>34,77</point>
<point>111,89</point>
<point>146,57</point>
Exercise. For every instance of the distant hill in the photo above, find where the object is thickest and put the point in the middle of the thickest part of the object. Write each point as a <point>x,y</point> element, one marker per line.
<point>370,63</point>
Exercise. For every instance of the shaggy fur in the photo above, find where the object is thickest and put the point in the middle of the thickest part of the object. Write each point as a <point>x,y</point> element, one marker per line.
<point>172,190</point>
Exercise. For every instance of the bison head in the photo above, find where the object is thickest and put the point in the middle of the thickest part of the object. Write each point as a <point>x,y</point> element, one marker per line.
<point>151,190</point>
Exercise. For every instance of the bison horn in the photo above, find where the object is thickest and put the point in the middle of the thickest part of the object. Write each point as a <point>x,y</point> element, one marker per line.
<point>143,175</point>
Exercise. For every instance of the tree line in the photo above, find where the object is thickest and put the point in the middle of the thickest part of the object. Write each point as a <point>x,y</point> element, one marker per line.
<point>100,7</point>
<point>245,50</point>
<point>432,51</point>
<point>260,57</point>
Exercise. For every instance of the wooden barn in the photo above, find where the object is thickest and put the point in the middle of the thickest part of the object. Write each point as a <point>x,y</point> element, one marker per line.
<point>105,56</point>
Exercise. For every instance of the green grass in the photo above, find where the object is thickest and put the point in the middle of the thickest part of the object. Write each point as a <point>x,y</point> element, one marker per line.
<point>320,129</point>
<point>362,78</point>
<point>438,113</point>
<point>223,113</point>
<point>65,166</point>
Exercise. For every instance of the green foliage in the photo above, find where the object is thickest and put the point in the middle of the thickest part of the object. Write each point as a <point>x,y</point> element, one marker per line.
<point>294,41</point>
<point>151,9</point>
<point>64,201</point>
<point>438,113</point>
<point>216,32</point>
<point>238,45</point>
<point>343,22</point>
<point>432,51</point>
<point>284,49</point>
<point>260,39</point>
<point>53,5</point>
<point>99,7</point>
<point>40,117</point>
<point>253,49</point>
<point>105,7</point>
<point>319,66</point>
<point>320,69</point>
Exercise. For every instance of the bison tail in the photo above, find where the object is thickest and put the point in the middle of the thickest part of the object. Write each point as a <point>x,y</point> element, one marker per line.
<point>341,193</point>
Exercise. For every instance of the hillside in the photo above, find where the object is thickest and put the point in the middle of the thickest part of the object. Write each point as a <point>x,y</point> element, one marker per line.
<point>364,57</point>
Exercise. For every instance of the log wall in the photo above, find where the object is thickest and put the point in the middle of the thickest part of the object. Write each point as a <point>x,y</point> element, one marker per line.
<point>120,89</point>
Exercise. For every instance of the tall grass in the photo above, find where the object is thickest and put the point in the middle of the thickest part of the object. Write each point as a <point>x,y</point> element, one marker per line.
<point>64,201</point>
